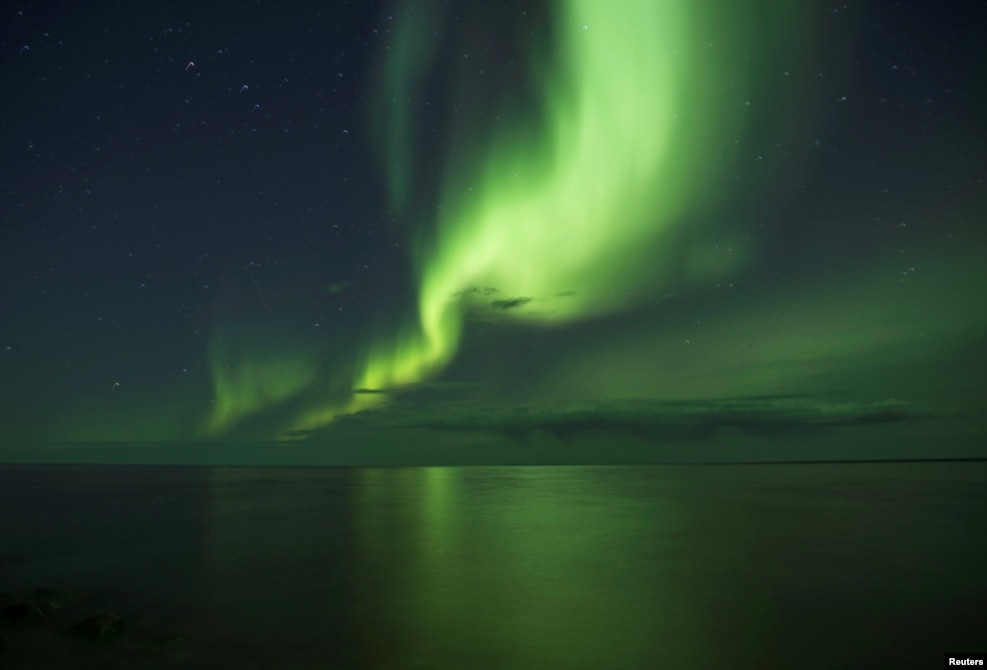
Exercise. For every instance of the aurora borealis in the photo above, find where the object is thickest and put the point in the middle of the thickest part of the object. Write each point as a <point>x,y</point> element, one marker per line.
<point>556,212</point>
<point>653,231</point>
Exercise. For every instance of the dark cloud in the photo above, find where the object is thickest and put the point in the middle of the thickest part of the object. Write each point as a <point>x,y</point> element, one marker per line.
<point>480,290</point>
<point>423,388</point>
<point>652,420</point>
<point>510,303</point>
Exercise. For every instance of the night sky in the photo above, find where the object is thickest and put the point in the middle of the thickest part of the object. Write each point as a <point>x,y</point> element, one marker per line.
<point>420,232</point>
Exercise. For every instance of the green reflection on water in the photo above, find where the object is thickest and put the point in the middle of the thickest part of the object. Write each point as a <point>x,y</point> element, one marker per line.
<point>525,566</point>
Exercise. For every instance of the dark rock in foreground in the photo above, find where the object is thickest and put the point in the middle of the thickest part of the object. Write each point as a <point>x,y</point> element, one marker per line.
<point>30,609</point>
<point>44,628</point>
<point>98,627</point>
<point>23,611</point>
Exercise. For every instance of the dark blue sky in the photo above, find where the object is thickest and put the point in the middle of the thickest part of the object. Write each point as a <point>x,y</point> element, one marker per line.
<point>204,234</point>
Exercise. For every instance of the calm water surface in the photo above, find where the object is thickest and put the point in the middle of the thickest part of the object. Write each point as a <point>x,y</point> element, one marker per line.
<point>504,567</point>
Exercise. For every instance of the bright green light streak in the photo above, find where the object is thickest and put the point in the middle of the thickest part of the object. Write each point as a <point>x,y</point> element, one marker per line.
<point>573,221</point>
<point>244,385</point>
<point>583,212</point>
<point>410,52</point>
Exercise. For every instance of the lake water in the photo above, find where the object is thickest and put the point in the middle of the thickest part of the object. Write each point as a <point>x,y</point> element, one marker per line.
<point>751,566</point>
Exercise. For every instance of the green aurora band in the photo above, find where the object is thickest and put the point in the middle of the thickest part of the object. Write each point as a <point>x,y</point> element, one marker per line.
<point>555,218</point>
<point>577,217</point>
